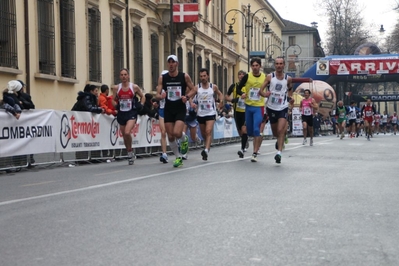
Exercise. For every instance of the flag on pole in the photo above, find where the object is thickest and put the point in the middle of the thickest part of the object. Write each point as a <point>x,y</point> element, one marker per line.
<point>185,13</point>
<point>207,2</point>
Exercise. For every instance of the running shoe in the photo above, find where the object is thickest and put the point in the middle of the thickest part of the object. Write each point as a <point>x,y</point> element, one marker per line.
<point>178,162</point>
<point>342,135</point>
<point>311,142</point>
<point>204,155</point>
<point>240,154</point>
<point>184,156</point>
<point>286,139</point>
<point>254,159</point>
<point>130,158</point>
<point>198,140</point>
<point>163,158</point>
<point>277,158</point>
<point>184,145</point>
<point>304,141</point>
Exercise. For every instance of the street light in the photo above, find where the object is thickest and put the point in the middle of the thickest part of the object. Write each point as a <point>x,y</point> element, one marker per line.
<point>248,19</point>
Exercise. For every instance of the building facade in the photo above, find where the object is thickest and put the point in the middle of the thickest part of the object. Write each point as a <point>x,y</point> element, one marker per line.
<point>57,47</point>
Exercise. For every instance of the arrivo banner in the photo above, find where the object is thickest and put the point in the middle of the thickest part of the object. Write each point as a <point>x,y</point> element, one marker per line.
<point>359,66</point>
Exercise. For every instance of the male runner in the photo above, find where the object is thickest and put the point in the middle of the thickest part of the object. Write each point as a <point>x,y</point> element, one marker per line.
<point>368,112</point>
<point>174,84</point>
<point>351,113</point>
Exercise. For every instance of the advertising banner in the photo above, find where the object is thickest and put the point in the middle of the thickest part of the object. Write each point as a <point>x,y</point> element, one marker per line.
<point>296,122</point>
<point>35,132</point>
<point>357,66</point>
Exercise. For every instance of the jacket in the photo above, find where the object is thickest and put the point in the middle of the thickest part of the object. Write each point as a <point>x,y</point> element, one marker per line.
<point>86,102</point>
<point>103,100</point>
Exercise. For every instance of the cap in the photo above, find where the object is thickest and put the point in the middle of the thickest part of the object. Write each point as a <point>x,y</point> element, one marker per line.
<point>173,57</point>
<point>22,83</point>
<point>164,72</point>
<point>14,86</point>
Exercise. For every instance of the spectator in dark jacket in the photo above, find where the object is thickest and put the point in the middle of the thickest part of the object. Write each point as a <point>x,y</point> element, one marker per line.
<point>87,100</point>
<point>24,98</point>
<point>10,100</point>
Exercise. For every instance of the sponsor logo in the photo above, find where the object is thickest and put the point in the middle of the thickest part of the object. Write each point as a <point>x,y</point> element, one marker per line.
<point>20,132</point>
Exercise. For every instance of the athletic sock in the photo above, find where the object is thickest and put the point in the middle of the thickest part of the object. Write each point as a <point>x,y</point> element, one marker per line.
<point>174,148</point>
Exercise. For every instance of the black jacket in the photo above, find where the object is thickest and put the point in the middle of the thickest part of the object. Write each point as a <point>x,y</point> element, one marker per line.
<point>26,100</point>
<point>86,102</point>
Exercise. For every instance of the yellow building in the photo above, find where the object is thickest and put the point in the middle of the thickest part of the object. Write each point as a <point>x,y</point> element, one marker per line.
<point>56,47</point>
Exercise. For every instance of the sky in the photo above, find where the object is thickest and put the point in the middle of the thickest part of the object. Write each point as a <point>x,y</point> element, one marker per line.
<point>376,12</point>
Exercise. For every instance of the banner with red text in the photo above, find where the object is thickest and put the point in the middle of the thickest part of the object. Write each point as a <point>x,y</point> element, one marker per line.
<point>359,66</point>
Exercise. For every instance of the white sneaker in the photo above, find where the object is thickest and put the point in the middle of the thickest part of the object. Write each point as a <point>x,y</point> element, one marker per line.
<point>304,141</point>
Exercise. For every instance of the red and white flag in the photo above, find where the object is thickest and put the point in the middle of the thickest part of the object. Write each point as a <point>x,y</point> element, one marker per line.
<point>207,2</point>
<point>185,13</point>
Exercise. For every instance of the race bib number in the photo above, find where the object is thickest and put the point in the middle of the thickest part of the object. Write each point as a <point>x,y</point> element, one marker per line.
<point>204,106</point>
<point>277,98</point>
<point>307,111</point>
<point>241,103</point>
<point>254,94</point>
<point>368,113</point>
<point>174,93</point>
<point>125,104</point>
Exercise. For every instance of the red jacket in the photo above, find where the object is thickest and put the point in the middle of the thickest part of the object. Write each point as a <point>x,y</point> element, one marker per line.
<point>106,103</point>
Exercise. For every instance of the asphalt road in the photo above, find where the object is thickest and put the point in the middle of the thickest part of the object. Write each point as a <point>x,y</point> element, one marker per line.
<point>336,203</point>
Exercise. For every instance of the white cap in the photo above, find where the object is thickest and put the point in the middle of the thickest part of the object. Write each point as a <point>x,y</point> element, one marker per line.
<point>14,86</point>
<point>173,57</point>
<point>164,72</point>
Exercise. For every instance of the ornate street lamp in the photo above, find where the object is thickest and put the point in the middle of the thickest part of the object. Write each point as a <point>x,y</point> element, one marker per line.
<point>248,20</point>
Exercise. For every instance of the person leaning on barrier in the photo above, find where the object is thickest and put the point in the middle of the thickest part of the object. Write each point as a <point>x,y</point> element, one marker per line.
<point>87,100</point>
<point>24,98</point>
<point>10,100</point>
<point>104,99</point>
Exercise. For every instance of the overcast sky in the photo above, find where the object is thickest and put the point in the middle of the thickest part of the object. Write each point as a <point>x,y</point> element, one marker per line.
<point>377,12</point>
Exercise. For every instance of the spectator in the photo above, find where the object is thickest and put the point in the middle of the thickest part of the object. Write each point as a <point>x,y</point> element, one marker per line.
<point>316,124</point>
<point>104,101</point>
<point>10,100</point>
<point>24,98</point>
<point>87,100</point>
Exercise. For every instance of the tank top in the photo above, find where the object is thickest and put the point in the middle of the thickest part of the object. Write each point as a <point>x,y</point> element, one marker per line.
<point>252,89</point>
<point>368,111</point>
<point>341,112</point>
<point>126,98</point>
<point>240,105</point>
<point>307,108</point>
<point>206,101</point>
<point>279,92</point>
<point>352,113</point>
<point>175,88</point>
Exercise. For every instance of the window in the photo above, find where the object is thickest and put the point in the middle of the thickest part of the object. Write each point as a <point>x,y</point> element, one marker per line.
<point>154,60</point>
<point>8,34</point>
<point>94,44</point>
<point>215,72</point>
<point>220,77</point>
<point>291,40</point>
<point>138,55</point>
<point>68,39</point>
<point>208,65</point>
<point>225,81</point>
<point>45,15</point>
<point>180,57</point>
<point>190,62</point>
<point>117,30</point>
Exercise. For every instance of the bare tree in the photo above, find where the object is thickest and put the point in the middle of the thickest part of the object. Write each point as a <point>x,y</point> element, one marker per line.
<point>346,29</point>
<point>392,41</point>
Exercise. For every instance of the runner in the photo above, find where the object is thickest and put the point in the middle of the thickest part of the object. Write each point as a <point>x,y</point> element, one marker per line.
<point>172,87</point>
<point>377,120</point>
<point>352,114</point>
<point>249,89</point>
<point>239,113</point>
<point>161,113</point>
<point>191,123</point>
<point>206,109</point>
<point>279,96</point>
<point>394,120</point>
<point>368,112</point>
<point>128,107</point>
<point>306,107</point>
<point>384,122</point>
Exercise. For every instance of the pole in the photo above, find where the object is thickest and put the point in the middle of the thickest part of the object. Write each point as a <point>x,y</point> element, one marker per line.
<point>172,48</point>
<point>249,33</point>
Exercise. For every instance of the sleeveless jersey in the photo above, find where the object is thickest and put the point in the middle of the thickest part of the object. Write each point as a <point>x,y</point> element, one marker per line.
<point>126,98</point>
<point>252,89</point>
<point>307,108</point>
<point>279,93</point>
<point>384,119</point>
<point>341,112</point>
<point>175,88</point>
<point>368,111</point>
<point>206,101</point>
<point>352,113</point>
<point>394,119</point>
<point>377,118</point>
<point>240,105</point>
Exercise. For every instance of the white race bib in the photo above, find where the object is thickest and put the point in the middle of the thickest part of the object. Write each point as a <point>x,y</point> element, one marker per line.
<point>125,105</point>
<point>254,94</point>
<point>174,93</point>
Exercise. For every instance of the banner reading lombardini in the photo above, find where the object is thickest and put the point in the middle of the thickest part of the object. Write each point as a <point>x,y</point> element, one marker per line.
<point>47,131</point>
